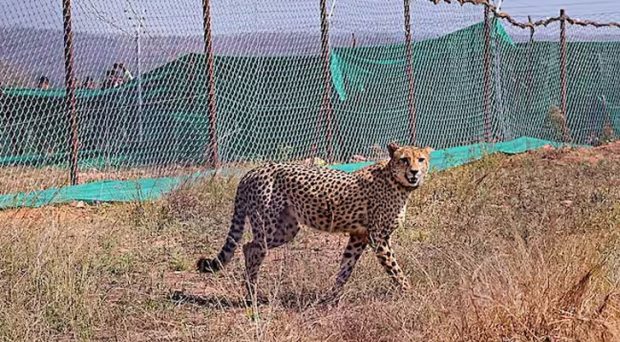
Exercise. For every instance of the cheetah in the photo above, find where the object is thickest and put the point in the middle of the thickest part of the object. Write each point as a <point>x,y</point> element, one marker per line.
<point>369,204</point>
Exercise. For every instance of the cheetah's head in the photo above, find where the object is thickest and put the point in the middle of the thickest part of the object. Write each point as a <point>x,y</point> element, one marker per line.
<point>409,164</point>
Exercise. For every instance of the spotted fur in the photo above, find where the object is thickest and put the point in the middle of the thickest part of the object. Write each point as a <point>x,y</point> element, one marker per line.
<point>277,199</point>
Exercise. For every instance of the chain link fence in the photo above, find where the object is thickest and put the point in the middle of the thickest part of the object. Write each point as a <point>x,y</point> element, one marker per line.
<point>129,89</point>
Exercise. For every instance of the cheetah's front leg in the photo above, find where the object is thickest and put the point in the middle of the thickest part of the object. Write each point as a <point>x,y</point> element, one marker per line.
<point>383,250</point>
<point>355,247</point>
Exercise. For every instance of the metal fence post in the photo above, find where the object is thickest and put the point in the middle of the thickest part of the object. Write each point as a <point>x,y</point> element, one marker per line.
<point>563,76</point>
<point>70,101</point>
<point>487,74</point>
<point>410,76</point>
<point>210,85</point>
<point>326,107</point>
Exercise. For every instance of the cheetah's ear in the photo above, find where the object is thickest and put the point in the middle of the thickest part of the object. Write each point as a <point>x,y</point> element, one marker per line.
<point>392,147</point>
<point>428,150</point>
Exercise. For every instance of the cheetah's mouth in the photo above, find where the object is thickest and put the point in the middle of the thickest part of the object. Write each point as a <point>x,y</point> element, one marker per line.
<point>414,180</point>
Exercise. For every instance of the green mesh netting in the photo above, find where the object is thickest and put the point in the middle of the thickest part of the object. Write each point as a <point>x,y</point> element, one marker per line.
<point>270,108</point>
<point>359,67</point>
<point>148,189</point>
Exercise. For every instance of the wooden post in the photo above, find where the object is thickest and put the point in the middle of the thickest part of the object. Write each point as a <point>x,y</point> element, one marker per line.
<point>410,76</point>
<point>326,107</point>
<point>563,76</point>
<point>210,85</point>
<point>530,66</point>
<point>529,20</point>
<point>487,75</point>
<point>70,101</point>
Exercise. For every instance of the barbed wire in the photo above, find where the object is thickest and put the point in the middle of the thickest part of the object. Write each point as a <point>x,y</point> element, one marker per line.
<point>530,25</point>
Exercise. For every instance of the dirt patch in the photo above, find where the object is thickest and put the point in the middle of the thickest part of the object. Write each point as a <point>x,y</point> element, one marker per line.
<point>593,155</point>
<point>65,213</point>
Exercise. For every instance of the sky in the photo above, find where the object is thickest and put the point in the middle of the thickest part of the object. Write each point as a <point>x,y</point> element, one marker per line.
<point>184,17</point>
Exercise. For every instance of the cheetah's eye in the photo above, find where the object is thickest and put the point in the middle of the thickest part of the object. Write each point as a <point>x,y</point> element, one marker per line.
<point>421,160</point>
<point>404,160</point>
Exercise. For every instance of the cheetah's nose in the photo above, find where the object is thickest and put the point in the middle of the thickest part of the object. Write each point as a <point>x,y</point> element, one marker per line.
<point>412,176</point>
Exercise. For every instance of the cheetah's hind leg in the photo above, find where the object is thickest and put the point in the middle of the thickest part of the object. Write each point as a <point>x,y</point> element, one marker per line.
<point>267,234</point>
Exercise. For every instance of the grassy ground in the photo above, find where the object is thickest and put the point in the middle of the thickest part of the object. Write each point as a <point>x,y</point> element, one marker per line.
<point>520,248</point>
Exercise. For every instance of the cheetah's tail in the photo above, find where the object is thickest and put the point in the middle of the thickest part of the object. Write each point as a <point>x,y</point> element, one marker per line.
<point>232,240</point>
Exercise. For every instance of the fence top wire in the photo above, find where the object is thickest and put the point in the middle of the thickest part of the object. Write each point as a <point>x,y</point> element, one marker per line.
<point>530,25</point>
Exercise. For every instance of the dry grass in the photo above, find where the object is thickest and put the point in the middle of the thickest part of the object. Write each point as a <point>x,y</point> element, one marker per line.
<point>506,249</point>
